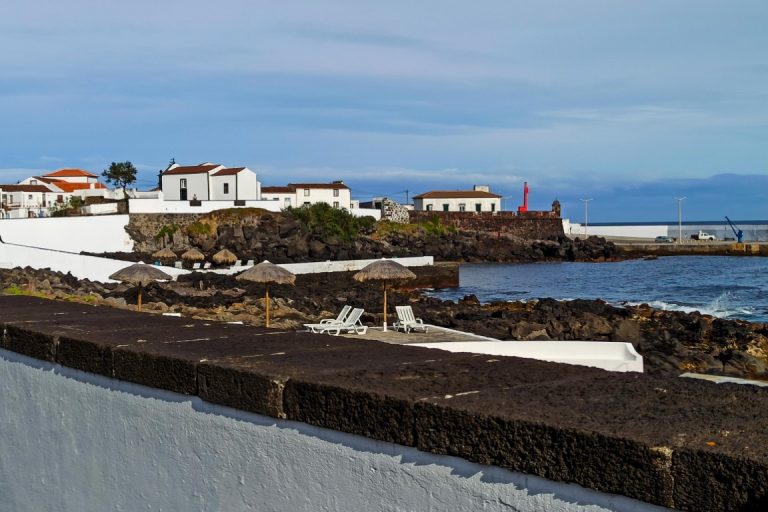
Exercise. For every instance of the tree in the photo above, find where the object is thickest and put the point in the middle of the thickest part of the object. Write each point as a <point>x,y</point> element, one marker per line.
<point>120,174</point>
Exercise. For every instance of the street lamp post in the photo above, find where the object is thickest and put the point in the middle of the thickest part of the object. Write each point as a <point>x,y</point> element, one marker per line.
<point>680,219</point>
<point>586,214</point>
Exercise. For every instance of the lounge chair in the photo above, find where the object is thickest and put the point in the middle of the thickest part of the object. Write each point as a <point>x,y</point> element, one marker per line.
<point>238,263</point>
<point>196,266</point>
<point>249,263</point>
<point>207,265</point>
<point>340,318</point>
<point>178,264</point>
<point>407,321</point>
<point>350,324</point>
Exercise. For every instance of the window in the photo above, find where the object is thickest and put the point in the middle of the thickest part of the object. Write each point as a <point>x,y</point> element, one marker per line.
<point>493,207</point>
<point>226,188</point>
<point>429,207</point>
<point>478,207</point>
<point>59,198</point>
<point>30,197</point>
<point>183,183</point>
<point>306,192</point>
<point>335,204</point>
<point>462,207</point>
<point>335,192</point>
<point>306,203</point>
<point>33,182</point>
<point>446,206</point>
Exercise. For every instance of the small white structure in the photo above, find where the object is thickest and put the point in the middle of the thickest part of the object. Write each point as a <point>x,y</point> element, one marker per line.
<point>479,199</point>
<point>72,182</point>
<point>611,356</point>
<point>335,194</point>
<point>19,201</point>
<point>209,182</point>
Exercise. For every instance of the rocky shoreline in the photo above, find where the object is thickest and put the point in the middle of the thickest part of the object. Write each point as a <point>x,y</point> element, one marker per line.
<point>670,342</point>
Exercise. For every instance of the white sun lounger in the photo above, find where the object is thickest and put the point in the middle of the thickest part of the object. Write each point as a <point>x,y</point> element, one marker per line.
<point>350,324</point>
<point>340,318</point>
<point>407,320</point>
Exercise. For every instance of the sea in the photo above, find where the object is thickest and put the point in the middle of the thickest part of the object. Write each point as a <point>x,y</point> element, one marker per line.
<point>723,286</point>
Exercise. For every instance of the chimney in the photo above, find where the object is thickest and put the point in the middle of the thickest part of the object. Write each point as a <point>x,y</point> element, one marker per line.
<point>482,188</point>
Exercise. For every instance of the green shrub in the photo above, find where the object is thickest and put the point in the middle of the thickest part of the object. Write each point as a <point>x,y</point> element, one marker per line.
<point>199,228</point>
<point>324,220</point>
<point>166,231</point>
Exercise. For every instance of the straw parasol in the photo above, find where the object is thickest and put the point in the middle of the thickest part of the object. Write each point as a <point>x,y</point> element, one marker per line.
<point>224,256</point>
<point>164,254</point>
<point>193,255</point>
<point>266,272</point>
<point>140,274</point>
<point>384,271</point>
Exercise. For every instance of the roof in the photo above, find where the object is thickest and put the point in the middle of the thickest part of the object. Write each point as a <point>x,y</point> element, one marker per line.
<point>71,187</point>
<point>191,169</point>
<point>69,173</point>
<point>229,172</point>
<point>25,188</point>
<point>318,185</point>
<point>277,190</point>
<point>457,194</point>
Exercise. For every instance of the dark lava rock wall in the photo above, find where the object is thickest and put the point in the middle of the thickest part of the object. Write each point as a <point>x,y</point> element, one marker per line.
<point>529,227</point>
<point>674,442</point>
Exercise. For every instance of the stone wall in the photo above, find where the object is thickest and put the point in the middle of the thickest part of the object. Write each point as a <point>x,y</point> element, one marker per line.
<point>531,225</point>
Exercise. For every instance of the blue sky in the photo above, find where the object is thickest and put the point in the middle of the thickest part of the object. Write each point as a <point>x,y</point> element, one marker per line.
<point>628,103</point>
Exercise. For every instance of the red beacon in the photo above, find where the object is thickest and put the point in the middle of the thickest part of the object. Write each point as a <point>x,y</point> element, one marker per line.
<point>524,207</point>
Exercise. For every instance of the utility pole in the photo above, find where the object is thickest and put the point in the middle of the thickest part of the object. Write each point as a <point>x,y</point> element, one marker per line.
<point>680,219</point>
<point>586,214</point>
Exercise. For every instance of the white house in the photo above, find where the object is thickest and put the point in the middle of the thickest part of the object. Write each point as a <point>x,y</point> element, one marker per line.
<point>71,182</point>
<point>336,194</point>
<point>23,200</point>
<point>479,199</point>
<point>209,182</point>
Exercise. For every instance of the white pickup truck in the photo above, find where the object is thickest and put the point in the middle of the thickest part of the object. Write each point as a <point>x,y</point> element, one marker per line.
<point>703,236</point>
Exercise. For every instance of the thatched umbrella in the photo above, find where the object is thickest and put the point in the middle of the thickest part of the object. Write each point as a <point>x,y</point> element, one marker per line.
<point>384,271</point>
<point>193,255</point>
<point>140,274</point>
<point>164,254</point>
<point>266,272</point>
<point>224,256</point>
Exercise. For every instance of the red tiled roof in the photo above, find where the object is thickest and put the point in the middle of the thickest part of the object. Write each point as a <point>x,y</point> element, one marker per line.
<point>69,173</point>
<point>318,185</point>
<point>277,190</point>
<point>457,194</point>
<point>228,172</point>
<point>25,188</point>
<point>190,169</point>
<point>71,187</point>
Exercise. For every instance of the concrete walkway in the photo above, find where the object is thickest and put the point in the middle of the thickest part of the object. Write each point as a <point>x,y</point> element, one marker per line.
<point>435,334</point>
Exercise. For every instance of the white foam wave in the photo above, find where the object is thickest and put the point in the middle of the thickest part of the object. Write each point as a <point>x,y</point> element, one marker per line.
<point>721,307</point>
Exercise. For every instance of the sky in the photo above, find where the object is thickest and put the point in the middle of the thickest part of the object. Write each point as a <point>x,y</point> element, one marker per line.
<point>627,103</point>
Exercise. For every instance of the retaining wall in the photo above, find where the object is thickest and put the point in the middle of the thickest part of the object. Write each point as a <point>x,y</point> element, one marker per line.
<point>525,226</point>
<point>680,443</point>
<point>73,234</point>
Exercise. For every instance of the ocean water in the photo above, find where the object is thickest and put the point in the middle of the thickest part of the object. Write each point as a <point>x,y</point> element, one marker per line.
<point>723,286</point>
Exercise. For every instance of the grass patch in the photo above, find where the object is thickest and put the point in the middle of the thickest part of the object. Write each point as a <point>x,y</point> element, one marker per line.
<point>324,220</point>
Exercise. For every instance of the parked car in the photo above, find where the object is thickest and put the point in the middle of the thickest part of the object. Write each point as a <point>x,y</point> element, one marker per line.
<point>664,239</point>
<point>703,236</point>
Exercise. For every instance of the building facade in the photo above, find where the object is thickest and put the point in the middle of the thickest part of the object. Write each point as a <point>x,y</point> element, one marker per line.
<point>479,199</point>
<point>209,182</point>
<point>335,194</point>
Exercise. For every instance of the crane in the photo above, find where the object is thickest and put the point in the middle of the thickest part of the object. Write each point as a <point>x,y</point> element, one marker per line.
<point>736,231</point>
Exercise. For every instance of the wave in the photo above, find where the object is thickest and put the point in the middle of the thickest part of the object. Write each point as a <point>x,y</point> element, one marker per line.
<point>721,307</point>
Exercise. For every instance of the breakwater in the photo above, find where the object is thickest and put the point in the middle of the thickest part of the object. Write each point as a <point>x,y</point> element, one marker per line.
<point>692,248</point>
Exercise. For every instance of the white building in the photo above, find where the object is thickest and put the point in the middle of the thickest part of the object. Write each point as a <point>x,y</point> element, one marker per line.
<point>336,194</point>
<point>21,200</point>
<point>209,182</point>
<point>479,199</point>
<point>71,182</point>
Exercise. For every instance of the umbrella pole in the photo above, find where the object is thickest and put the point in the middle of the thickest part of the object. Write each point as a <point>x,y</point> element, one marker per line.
<point>385,306</point>
<point>139,301</point>
<point>267,299</point>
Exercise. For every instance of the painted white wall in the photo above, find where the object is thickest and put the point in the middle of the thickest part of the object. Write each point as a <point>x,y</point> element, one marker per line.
<point>82,267</point>
<point>217,188</point>
<point>611,356</point>
<point>73,441</point>
<point>334,266</point>
<point>577,229</point>
<point>248,187</point>
<point>197,185</point>
<point>100,209</point>
<point>285,199</point>
<point>160,206</point>
<point>365,212</point>
<point>454,205</point>
<point>74,234</point>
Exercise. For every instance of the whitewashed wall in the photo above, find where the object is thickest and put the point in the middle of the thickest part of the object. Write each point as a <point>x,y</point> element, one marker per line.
<point>82,267</point>
<point>73,441</point>
<point>161,206</point>
<point>74,234</point>
<point>317,267</point>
